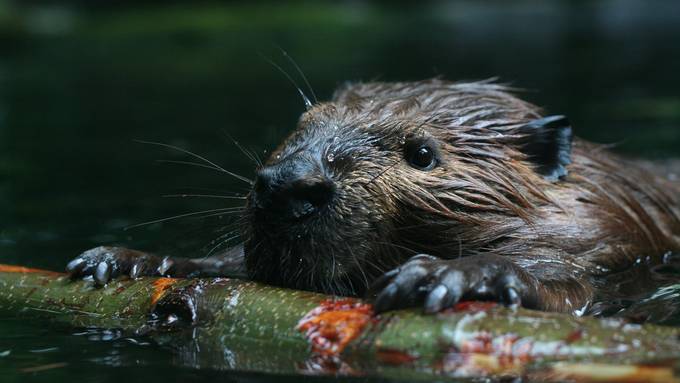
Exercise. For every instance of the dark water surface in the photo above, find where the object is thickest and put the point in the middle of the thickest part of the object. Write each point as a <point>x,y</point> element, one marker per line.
<point>78,84</point>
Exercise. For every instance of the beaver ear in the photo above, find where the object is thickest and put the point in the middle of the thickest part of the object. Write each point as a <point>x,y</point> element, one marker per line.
<point>547,143</point>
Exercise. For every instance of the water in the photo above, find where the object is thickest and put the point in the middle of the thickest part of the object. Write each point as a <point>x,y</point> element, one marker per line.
<point>79,83</point>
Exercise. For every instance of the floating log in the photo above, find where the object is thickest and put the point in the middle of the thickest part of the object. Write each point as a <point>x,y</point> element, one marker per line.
<point>223,323</point>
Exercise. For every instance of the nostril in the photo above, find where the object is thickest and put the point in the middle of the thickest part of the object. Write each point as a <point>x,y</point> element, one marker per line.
<point>316,192</point>
<point>309,195</point>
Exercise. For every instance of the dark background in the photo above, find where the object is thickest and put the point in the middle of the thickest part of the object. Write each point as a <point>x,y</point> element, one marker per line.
<point>80,81</point>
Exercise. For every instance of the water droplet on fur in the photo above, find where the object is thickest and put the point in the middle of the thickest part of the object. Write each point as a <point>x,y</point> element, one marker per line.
<point>402,140</point>
<point>330,157</point>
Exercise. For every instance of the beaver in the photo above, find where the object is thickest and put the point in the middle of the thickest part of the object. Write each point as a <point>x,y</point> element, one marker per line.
<point>426,193</point>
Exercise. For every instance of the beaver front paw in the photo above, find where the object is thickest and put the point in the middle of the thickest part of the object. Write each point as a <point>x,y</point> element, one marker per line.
<point>104,263</point>
<point>440,283</point>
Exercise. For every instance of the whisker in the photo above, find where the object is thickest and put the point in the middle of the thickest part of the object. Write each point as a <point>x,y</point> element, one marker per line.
<point>197,164</point>
<point>249,154</point>
<point>203,196</point>
<point>240,210</point>
<point>308,104</point>
<point>398,246</point>
<point>332,264</point>
<point>352,289</point>
<point>383,172</point>
<point>297,68</point>
<point>258,160</point>
<point>211,190</point>
<point>221,243</point>
<point>222,210</point>
<point>380,268</point>
<point>243,150</point>
<point>361,269</point>
<point>216,167</point>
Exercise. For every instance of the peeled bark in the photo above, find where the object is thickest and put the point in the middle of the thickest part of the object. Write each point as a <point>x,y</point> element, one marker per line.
<point>233,324</point>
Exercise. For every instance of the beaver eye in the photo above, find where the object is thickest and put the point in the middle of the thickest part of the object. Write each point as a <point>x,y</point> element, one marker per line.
<point>423,158</point>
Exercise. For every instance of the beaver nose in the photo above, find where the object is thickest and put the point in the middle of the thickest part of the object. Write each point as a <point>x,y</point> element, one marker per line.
<point>295,188</point>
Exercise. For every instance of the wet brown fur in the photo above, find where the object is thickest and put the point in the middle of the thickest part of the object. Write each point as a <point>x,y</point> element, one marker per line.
<point>484,197</point>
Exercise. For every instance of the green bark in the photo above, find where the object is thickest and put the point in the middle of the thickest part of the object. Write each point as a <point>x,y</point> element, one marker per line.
<point>233,324</point>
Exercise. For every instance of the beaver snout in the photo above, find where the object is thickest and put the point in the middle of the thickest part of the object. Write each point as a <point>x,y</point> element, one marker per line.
<point>294,188</point>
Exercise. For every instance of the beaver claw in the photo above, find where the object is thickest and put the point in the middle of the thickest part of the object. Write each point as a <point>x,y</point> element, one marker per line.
<point>104,263</point>
<point>437,284</point>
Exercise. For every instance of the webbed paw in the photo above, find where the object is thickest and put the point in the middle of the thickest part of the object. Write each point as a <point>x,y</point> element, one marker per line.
<point>104,263</point>
<point>437,284</point>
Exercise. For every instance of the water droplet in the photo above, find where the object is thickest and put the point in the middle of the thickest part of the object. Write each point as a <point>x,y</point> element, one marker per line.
<point>330,157</point>
<point>402,140</point>
<point>667,257</point>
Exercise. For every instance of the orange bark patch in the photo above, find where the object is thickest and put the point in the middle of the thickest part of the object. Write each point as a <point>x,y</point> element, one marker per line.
<point>474,306</point>
<point>333,324</point>
<point>160,286</point>
<point>25,270</point>
<point>394,357</point>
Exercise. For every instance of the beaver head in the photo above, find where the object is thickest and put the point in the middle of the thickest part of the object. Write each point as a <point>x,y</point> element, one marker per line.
<point>388,170</point>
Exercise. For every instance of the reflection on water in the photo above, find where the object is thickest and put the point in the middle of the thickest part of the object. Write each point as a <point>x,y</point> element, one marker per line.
<point>78,84</point>
<point>646,302</point>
